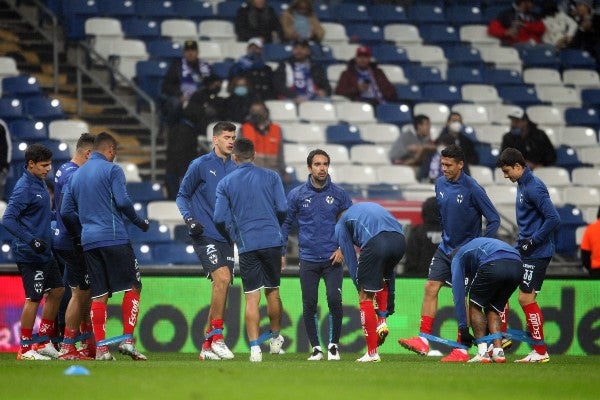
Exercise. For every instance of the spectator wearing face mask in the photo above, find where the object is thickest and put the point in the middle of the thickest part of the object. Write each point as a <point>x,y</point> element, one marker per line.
<point>530,140</point>
<point>252,66</point>
<point>455,132</point>
<point>237,105</point>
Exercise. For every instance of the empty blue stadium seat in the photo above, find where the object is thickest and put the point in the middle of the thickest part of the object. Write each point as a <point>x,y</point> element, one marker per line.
<point>351,13</point>
<point>584,116</point>
<point>143,253</point>
<point>60,150</point>
<point>345,134</point>
<point>571,218</point>
<point>28,130</point>
<point>383,191</point>
<point>367,34</point>
<point>324,13</point>
<point>446,93</point>
<point>43,109</point>
<point>536,56</point>
<point>439,34</point>
<point>387,53</point>
<point>194,10</point>
<point>498,77</point>
<point>143,29</point>
<point>276,51</point>
<point>460,75</point>
<point>419,74</point>
<point>394,113</point>
<point>427,13</point>
<point>383,14</point>
<point>121,9</point>
<point>409,93</point>
<point>145,191</point>
<point>158,9</point>
<point>590,98</point>
<point>157,233</point>
<point>149,77</point>
<point>487,154</point>
<point>523,95</point>
<point>11,109</point>
<point>576,58</point>
<point>174,253</point>
<point>463,55</point>
<point>566,157</point>
<point>164,49</point>
<point>464,14</point>
<point>21,86</point>
<point>227,10</point>
<point>75,13</point>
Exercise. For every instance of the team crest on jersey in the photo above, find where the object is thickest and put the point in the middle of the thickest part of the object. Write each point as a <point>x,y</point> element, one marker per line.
<point>459,198</point>
<point>329,199</point>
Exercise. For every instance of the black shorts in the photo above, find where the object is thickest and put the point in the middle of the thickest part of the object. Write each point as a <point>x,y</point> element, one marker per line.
<point>213,254</point>
<point>439,269</point>
<point>534,274</point>
<point>39,278</point>
<point>112,269</point>
<point>495,282</point>
<point>377,260</point>
<point>75,272</point>
<point>261,269</point>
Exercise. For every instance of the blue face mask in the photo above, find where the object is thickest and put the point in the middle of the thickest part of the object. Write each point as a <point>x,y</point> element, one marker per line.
<point>240,91</point>
<point>516,131</point>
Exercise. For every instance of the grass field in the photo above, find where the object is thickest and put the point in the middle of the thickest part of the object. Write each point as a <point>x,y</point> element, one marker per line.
<point>290,377</point>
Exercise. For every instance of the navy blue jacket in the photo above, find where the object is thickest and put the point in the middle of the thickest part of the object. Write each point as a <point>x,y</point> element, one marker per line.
<point>466,262</point>
<point>462,205</point>
<point>251,207</point>
<point>27,216</point>
<point>536,215</point>
<point>61,239</point>
<point>197,192</point>
<point>359,224</point>
<point>316,211</point>
<point>96,200</point>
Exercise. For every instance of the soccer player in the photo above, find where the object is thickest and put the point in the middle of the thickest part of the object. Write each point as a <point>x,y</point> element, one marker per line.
<point>75,272</point>
<point>249,210</point>
<point>493,270</point>
<point>94,209</point>
<point>316,206</point>
<point>27,217</point>
<point>536,218</point>
<point>381,240</point>
<point>462,203</point>
<point>196,203</point>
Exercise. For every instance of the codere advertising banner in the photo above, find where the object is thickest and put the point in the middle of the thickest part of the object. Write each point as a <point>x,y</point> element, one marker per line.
<point>174,311</point>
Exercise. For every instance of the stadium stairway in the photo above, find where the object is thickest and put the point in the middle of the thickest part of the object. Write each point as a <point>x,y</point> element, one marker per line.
<point>33,55</point>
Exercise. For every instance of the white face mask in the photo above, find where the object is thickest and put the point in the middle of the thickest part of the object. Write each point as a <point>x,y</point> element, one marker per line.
<point>455,126</point>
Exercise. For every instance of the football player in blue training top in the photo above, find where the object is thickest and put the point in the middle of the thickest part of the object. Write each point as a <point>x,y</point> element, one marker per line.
<point>462,203</point>
<point>196,203</point>
<point>491,270</point>
<point>249,210</point>
<point>316,206</point>
<point>537,219</point>
<point>381,240</point>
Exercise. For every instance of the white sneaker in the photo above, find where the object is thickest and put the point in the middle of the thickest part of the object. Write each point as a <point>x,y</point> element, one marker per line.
<point>276,344</point>
<point>333,352</point>
<point>317,354</point>
<point>32,355</point>
<point>220,348</point>
<point>255,355</point>
<point>499,357</point>
<point>534,356</point>
<point>48,350</point>
<point>481,358</point>
<point>369,358</point>
<point>208,354</point>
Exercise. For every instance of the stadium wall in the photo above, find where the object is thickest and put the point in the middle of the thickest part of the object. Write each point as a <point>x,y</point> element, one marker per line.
<point>174,309</point>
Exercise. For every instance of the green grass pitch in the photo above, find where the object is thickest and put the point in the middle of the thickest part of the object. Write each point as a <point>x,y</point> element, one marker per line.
<point>290,377</point>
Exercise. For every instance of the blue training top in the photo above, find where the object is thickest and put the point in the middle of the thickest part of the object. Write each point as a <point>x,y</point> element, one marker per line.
<point>316,211</point>
<point>61,239</point>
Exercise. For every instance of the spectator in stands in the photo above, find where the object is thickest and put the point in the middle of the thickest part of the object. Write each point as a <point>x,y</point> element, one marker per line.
<point>266,136</point>
<point>300,21</point>
<point>204,107</point>
<point>531,141</point>
<point>300,78</point>
<point>423,239</point>
<point>5,155</point>
<point>518,24</point>
<point>414,146</point>
<point>183,79</point>
<point>587,36</point>
<point>256,18</point>
<point>560,27</point>
<point>364,81</point>
<point>237,105</point>
<point>253,67</point>
<point>590,248</point>
<point>455,132</point>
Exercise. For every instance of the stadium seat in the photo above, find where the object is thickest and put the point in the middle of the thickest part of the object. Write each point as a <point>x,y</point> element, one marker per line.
<point>164,211</point>
<point>157,233</point>
<point>131,171</point>
<point>394,113</point>
<point>419,74</point>
<point>430,56</point>
<point>546,115</point>
<point>464,56</point>
<point>60,150</point>
<point>590,98</point>
<point>389,54</point>
<point>582,117</point>
<point>463,14</point>
<point>472,114</point>
<point>22,87</point>
<point>581,78</point>
<point>480,93</point>
<point>571,218</point>
<point>228,9</point>
<point>554,176</point>
<point>145,192</point>
<point>578,136</point>
<point>499,77</point>
<point>334,33</point>
<point>394,73</point>
<point>367,34</point>
<point>126,53</point>
<point>43,109</point>
<point>351,13</point>
<point>28,131</point>
<point>559,96</point>
<point>498,113</point>
<point>149,75</point>
<point>157,9</point>
<point>179,30</point>
<point>344,134</point>
<point>217,30</point>
<point>383,14</point>
<point>67,130</point>
<point>408,93</point>
<point>309,134</point>
<point>502,194</point>
<point>590,155</point>
<point>102,31</point>
<point>174,254</point>
<point>369,154</point>
<point>439,35</point>
<point>295,153</point>
<point>76,12</point>
<point>282,110</point>
<point>344,52</point>
<point>194,9</point>
<point>324,13</point>
<point>542,77</point>
<point>576,59</point>
<point>502,58</point>
<point>491,134</point>
<point>477,36</point>
<point>121,9</point>
<point>143,254</point>
<point>426,13</point>
<point>210,51</point>
<point>402,34</point>
<point>586,176</point>
<point>446,93</point>
<point>143,29</point>
<point>437,112</point>
<point>165,50</point>
<point>488,154</point>
<point>337,152</point>
<point>380,133</point>
<point>523,96</point>
<point>355,112</point>
<point>356,175</point>
<point>461,75</point>
<point>567,157</point>
<point>277,51</point>
<point>482,174</point>
<point>317,111</point>
<point>8,67</point>
<point>539,57</point>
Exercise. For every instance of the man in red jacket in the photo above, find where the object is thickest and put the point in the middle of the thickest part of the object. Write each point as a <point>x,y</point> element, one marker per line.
<point>518,24</point>
<point>364,81</point>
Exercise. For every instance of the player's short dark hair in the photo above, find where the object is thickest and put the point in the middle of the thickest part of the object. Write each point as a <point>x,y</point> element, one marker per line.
<point>243,148</point>
<point>510,157</point>
<point>223,126</point>
<point>37,153</point>
<point>103,140</point>
<point>85,140</point>
<point>315,152</point>
<point>454,151</point>
<point>419,119</point>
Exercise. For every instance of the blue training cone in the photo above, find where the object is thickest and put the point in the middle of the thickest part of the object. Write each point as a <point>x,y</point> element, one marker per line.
<point>77,370</point>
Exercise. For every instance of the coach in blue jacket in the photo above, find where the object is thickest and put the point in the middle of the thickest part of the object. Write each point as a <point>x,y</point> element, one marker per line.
<point>249,210</point>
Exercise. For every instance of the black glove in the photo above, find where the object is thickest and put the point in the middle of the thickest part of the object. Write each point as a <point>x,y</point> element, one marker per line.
<point>144,225</point>
<point>38,245</point>
<point>465,337</point>
<point>526,247</point>
<point>195,227</point>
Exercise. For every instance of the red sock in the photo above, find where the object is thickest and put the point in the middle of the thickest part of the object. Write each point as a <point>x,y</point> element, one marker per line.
<point>207,341</point>
<point>535,324</point>
<point>98,314</point>
<point>217,324</point>
<point>426,324</point>
<point>47,327</point>
<point>368,320</point>
<point>381,298</point>
<point>504,318</point>
<point>69,334</point>
<point>26,334</point>
<point>85,327</point>
<point>130,307</point>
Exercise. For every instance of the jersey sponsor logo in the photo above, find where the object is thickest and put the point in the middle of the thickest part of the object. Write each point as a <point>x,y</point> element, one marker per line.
<point>329,199</point>
<point>459,198</point>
